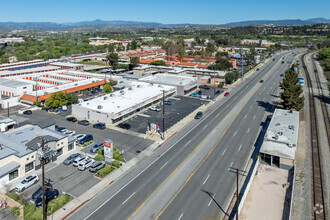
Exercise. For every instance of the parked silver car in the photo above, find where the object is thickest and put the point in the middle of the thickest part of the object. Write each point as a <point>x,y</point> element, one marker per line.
<point>97,165</point>
<point>27,182</point>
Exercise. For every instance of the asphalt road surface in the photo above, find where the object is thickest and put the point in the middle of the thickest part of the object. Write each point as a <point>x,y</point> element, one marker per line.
<point>188,178</point>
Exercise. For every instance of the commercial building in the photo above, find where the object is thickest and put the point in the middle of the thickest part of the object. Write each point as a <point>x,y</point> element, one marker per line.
<point>7,124</point>
<point>183,83</point>
<point>10,87</point>
<point>115,106</point>
<point>280,143</point>
<point>19,149</point>
<point>64,65</point>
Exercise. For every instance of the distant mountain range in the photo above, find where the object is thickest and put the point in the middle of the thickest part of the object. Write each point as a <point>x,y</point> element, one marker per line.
<point>120,23</point>
<point>282,22</point>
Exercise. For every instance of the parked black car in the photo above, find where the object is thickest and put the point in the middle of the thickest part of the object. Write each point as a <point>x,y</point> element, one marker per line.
<point>87,138</point>
<point>49,195</point>
<point>83,122</point>
<point>167,102</point>
<point>57,128</point>
<point>70,159</point>
<point>217,92</point>
<point>27,112</point>
<point>38,192</point>
<point>198,115</point>
<point>124,126</point>
<point>99,126</point>
<point>97,147</point>
<point>73,119</point>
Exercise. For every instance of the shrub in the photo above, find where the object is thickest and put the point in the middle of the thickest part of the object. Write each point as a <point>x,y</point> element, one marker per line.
<point>15,211</point>
<point>101,151</point>
<point>16,198</point>
<point>99,157</point>
<point>29,210</point>
<point>43,108</point>
<point>105,171</point>
<point>88,143</point>
<point>116,163</point>
<point>220,85</point>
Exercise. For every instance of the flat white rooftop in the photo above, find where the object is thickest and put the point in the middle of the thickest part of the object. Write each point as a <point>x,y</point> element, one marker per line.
<point>136,93</point>
<point>282,134</point>
<point>22,71</point>
<point>169,79</point>
<point>12,83</point>
<point>65,64</point>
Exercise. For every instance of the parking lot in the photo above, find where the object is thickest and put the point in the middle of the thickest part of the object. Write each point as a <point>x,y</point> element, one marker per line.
<point>123,140</point>
<point>180,108</point>
<point>65,179</point>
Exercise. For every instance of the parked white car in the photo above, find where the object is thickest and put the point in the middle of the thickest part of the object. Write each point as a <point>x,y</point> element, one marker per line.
<point>79,136</point>
<point>70,133</point>
<point>78,160</point>
<point>83,165</point>
<point>154,108</point>
<point>27,182</point>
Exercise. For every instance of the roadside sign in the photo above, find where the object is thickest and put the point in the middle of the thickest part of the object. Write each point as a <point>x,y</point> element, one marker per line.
<point>108,150</point>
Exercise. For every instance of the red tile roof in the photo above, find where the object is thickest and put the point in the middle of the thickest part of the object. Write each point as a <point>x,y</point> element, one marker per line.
<point>32,98</point>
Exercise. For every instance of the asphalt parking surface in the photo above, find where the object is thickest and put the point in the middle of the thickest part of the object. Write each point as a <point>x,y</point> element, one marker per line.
<point>122,140</point>
<point>180,108</point>
<point>65,179</point>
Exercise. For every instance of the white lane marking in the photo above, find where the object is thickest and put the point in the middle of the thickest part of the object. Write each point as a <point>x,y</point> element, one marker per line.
<point>235,133</point>
<point>187,143</point>
<point>254,117</point>
<point>255,100</point>
<point>188,132</point>
<point>224,152</point>
<point>206,179</point>
<point>204,127</point>
<point>250,106</point>
<point>270,88</point>
<point>245,116</point>
<point>218,114</point>
<point>239,148</point>
<point>128,198</point>
<point>231,164</point>
<point>180,216</point>
<point>211,200</point>
<point>163,165</point>
<point>248,130</point>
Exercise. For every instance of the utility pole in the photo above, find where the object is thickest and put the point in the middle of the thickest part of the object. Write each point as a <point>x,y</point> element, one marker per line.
<point>163,114</point>
<point>214,85</point>
<point>36,90</point>
<point>44,214</point>
<point>8,109</point>
<point>241,173</point>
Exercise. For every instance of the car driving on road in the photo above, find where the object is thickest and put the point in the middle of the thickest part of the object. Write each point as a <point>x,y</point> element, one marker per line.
<point>27,182</point>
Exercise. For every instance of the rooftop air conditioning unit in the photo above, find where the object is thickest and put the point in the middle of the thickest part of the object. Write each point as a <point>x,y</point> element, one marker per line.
<point>277,124</point>
<point>105,98</point>
<point>276,137</point>
<point>280,133</point>
<point>139,86</point>
<point>76,84</point>
<point>130,88</point>
<point>99,107</point>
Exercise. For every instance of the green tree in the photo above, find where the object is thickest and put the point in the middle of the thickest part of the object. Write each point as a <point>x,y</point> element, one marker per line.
<point>57,99</point>
<point>220,85</point>
<point>15,211</point>
<point>107,88</point>
<point>221,54</point>
<point>290,95</point>
<point>158,63</point>
<point>210,48</point>
<point>134,45</point>
<point>221,64</point>
<point>135,61</point>
<point>113,60</point>
<point>72,98</point>
<point>231,77</point>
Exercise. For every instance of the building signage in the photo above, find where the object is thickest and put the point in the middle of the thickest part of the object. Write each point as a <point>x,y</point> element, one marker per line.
<point>153,127</point>
<point>108,150</point>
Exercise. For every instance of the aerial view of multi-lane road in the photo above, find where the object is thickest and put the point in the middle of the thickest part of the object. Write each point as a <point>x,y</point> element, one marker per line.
<point>189,176</point>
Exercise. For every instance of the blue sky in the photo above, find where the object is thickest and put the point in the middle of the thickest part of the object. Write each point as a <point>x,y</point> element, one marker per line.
<point>167,12</point>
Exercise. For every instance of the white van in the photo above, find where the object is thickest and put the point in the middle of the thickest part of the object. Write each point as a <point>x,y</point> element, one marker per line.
<point>64,108</point>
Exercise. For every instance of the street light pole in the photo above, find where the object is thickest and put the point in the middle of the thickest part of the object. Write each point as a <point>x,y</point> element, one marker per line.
<point>242,61</point>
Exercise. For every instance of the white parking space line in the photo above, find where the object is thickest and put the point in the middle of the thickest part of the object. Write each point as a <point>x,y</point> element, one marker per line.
<point>218,114</point>
<point>248,130</point>
<point>250,106</point>
<point>231,164</point>
<point>245,116</point>
<point>206,179</point>
<point>163,165</point>
<point>235,133</point>
<point>211,200</point>
<point>204,127</point>
<point>254,117</point>
<point>187,143</point>
<point>263,99</point>
<point>271,87</point>
<point>224,152</point>
<point>180,216</point>
<point>239,148</point>
<point>128,198</point>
